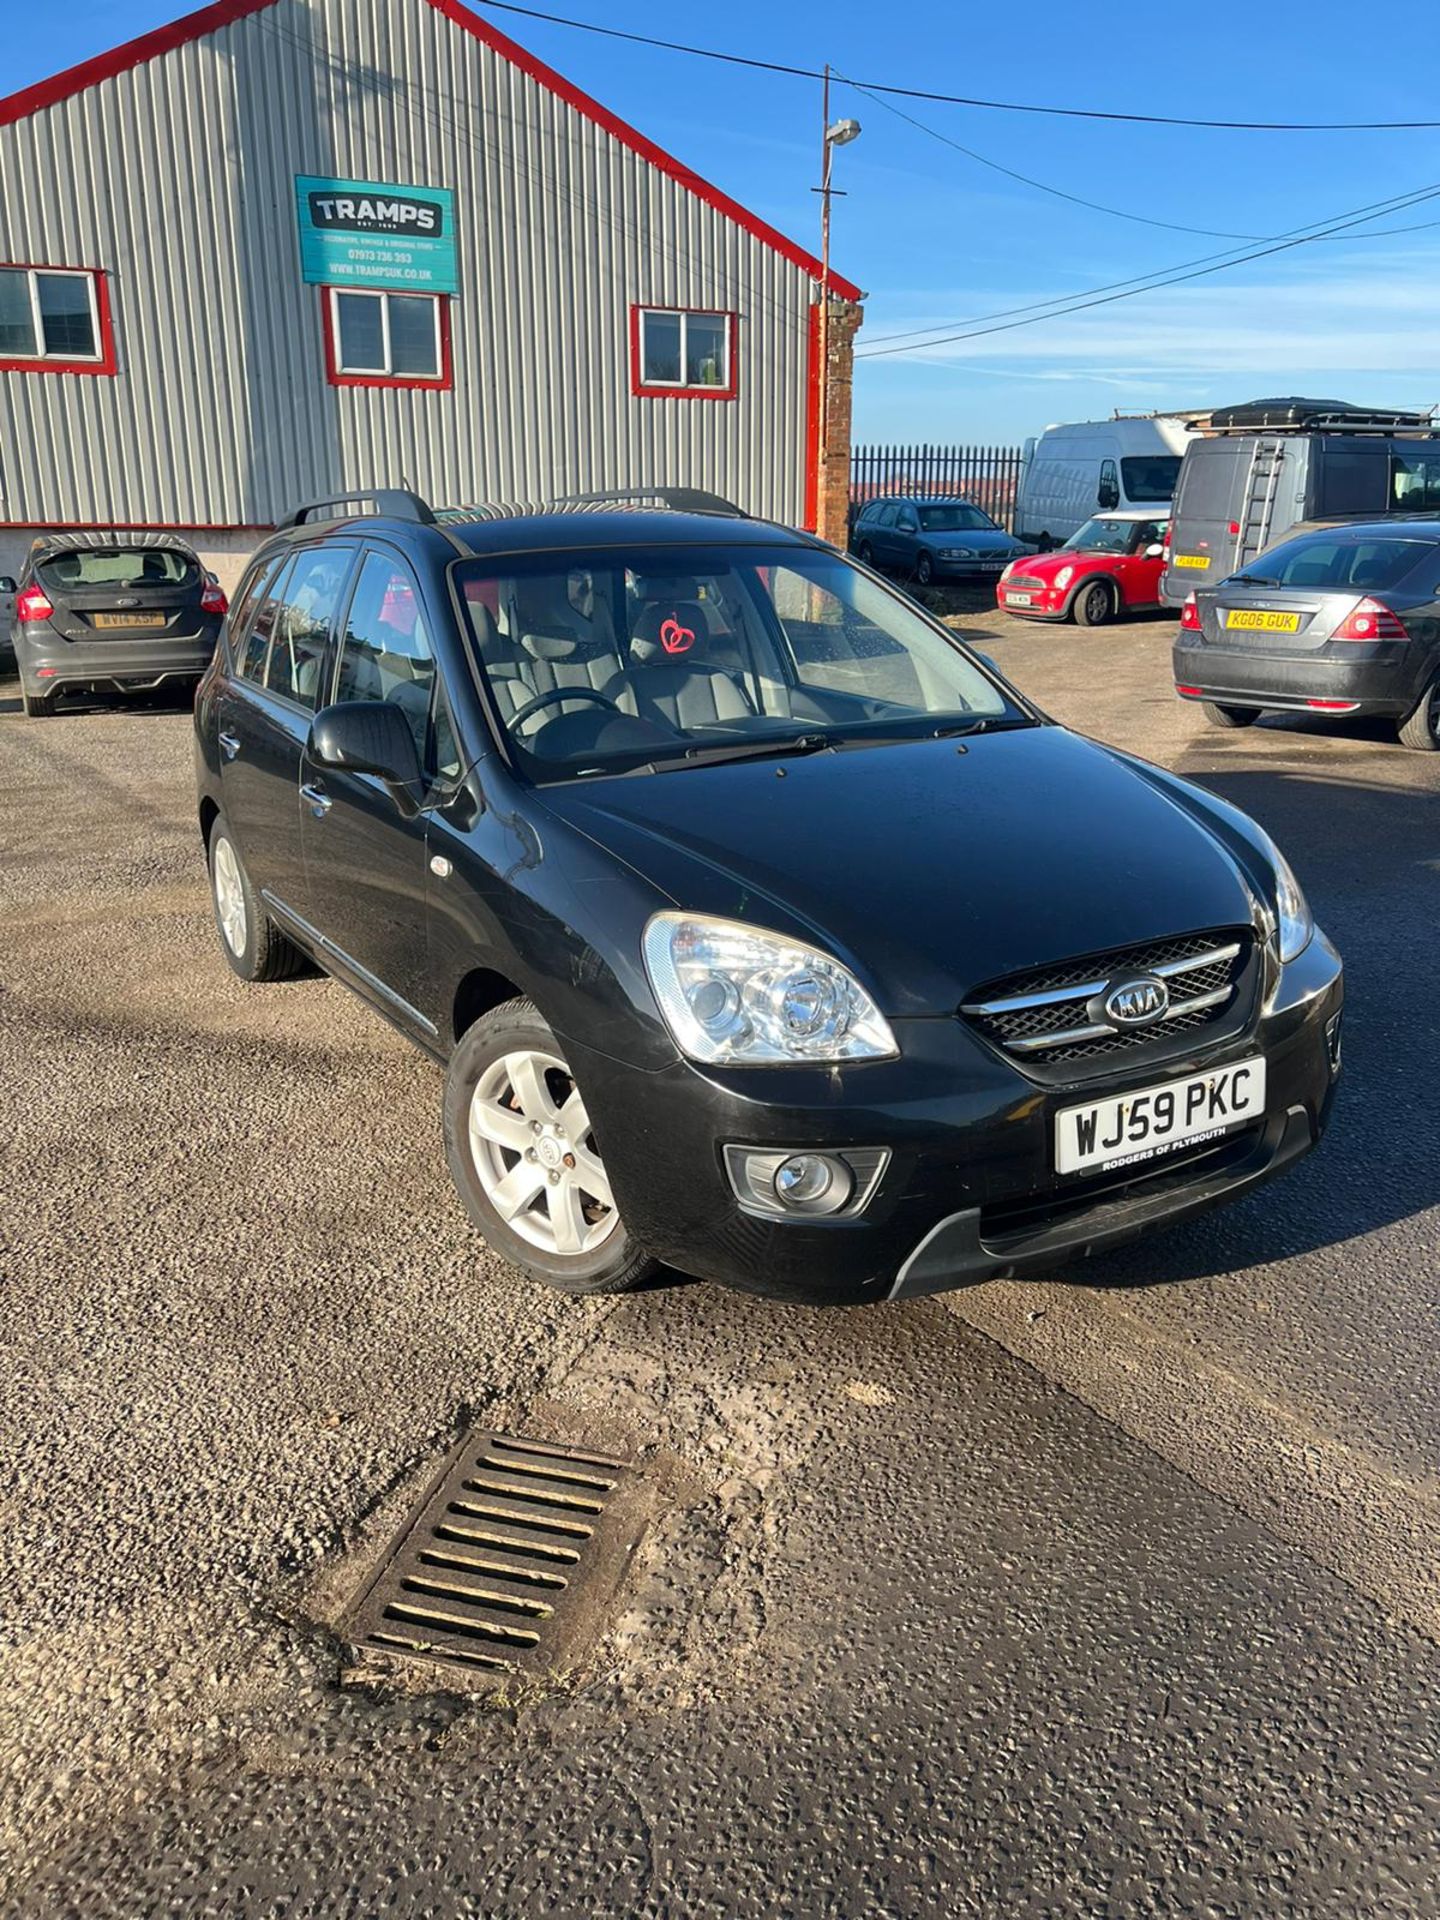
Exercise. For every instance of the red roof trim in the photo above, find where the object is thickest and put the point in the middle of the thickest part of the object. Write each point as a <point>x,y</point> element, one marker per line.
<point>222,13</point>
<point>629,136</point>
<point>133,53</point>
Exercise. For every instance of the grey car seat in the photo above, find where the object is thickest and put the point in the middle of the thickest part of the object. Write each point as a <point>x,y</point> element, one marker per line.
<point>670,681</point>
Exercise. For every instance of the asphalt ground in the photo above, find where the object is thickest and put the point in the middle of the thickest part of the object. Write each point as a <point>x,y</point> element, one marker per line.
<point>1111,1596</point>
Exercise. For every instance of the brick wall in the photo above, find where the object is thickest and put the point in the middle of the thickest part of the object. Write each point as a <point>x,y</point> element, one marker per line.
<point>839,375</point>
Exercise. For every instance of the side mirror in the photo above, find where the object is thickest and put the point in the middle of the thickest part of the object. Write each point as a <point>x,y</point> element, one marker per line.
<point>7,583</point>
<point>987,660</point>
<point>369,736</point>
<point>1155,551</point>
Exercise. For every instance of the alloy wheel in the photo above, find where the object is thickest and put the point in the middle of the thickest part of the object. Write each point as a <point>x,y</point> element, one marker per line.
<point>534,1152</point>
<point>229,896</point>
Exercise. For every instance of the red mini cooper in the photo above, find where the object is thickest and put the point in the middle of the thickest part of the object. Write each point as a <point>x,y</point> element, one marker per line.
<point>1111,566</point>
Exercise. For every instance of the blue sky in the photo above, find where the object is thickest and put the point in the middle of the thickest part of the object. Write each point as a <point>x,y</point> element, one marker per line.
<point>935,236</point>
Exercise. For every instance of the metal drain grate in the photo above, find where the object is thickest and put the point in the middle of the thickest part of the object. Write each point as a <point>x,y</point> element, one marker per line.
<point>512,1555</point>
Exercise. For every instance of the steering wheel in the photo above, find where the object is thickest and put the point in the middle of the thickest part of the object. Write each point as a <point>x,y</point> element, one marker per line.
<point>557,694</point>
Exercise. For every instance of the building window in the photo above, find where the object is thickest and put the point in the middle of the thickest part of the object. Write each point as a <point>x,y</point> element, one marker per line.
<point>682,351</point>
<point>387,339</point>
<point>54,320</point>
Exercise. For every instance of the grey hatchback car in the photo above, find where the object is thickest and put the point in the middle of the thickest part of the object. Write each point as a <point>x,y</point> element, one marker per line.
<point>932,537</point>
<point>1340,619</point>
<point>108,612</point>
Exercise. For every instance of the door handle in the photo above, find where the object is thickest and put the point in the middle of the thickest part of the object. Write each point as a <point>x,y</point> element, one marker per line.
<point>318,801</point>
<point>229,745</point>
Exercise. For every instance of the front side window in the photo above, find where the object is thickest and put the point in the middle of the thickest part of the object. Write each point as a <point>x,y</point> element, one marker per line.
<point>679,656</point>
<point>1150,476</point>
<point>53,319</point>
<point>1414,482</point>
<point>683,351</point>
<point>1116,536</point>
<point>385,650</point>
<point>396,339</point>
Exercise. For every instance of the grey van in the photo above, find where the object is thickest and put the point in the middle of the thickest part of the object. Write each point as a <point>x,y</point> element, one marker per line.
<point>1267,467</point>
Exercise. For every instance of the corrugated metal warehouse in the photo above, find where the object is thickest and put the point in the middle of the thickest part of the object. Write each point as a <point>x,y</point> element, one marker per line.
<point>284,247</point>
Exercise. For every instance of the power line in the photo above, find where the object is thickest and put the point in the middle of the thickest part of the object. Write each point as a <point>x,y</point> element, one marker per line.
<point>1079,306</point>
<point>968,100</point>
<point>1042,186</point>
<point>1140,281</point>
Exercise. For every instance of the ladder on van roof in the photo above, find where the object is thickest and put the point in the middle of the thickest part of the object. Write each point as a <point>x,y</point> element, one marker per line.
<point>1259,504</point>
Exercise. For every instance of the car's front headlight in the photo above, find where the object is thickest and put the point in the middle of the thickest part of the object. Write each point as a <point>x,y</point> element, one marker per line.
<point>737,994</point>
<point>1295,924</point>
<point>957,553</point>
<point>1064,576</point>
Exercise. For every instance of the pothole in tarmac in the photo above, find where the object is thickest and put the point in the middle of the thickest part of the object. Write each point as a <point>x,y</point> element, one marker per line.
<point>507,1569</point>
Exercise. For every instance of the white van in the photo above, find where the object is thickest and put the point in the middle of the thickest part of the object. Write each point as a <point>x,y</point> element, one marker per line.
<point>1098,466</point>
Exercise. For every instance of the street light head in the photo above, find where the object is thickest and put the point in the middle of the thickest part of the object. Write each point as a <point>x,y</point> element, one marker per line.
<point>842,132</point>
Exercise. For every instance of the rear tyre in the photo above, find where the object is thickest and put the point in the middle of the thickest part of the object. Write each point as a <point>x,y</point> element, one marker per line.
<point>866,555</point>
<point>1094,605</point>
<point>925,570</point>
<point>249,939</point>
<point>524,1159</point>
<point>1422,730</point>
<point>1219,716</point>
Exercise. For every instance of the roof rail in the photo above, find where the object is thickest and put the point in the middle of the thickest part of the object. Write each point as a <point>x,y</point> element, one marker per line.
<point>394,503</point>
<point>680,499</point>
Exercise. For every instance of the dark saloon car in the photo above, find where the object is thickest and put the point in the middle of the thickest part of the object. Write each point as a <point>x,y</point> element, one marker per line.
<point>928,538</point>
<point>1339,619</point>
<point>111,612</point>
<point>760,928</point>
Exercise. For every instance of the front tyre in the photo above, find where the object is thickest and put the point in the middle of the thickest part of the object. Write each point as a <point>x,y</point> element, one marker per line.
<point>249,939</point>
<point>525,1161</point>
<point>1219,716</point>
<point>1422,730</point>
<point>925,570</point>
<point>1094,605</point>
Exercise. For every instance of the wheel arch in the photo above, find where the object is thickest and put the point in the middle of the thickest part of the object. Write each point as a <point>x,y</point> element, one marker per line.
<point>209,814</point>
<point>477,993</point>
<point>1088,580</point>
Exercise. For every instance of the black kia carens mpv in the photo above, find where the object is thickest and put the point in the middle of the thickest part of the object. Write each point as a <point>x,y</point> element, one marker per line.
<point>761,929</point>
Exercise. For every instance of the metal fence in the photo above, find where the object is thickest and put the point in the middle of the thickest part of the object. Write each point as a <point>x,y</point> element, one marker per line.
<point>990,476</point>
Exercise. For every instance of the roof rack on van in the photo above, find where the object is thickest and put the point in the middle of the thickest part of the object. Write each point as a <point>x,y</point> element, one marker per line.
<point>395,503</point>
<point>1295,415</point>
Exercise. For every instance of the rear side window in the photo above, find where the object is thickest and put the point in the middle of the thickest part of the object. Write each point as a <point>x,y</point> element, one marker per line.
<point>885,516</point>
<point>1415,482</point>
<point>302,624</point>
<point>1321,563</point>
<point>385,652</point>
<point>122,567</point>
<point>251,588</point>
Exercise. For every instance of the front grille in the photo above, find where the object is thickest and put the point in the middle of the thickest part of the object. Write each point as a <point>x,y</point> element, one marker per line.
<point>1042,1018</point>
<point>1026,582</point>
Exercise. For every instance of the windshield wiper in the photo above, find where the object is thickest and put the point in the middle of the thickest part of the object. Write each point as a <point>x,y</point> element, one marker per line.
<point>984,723</point>
<point>759,749</point>
<point>1250,580</point>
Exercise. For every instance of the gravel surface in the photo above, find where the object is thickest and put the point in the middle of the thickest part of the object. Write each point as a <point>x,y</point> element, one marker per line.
<point>917,1631</point>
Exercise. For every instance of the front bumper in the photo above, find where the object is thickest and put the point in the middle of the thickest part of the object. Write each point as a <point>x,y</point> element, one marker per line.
<point>48,662</point>
<point>969,1193</point>
<point>1383,679</point>
<point>971,569</point>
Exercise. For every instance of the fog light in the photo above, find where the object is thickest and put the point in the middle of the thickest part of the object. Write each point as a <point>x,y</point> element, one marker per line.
<point>813,1183</point>
<point>787,1184</point>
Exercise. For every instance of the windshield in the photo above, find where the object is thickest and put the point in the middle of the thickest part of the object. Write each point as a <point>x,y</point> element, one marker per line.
<point>117,567</point>
<point>667,657</point>
<point>1150,476</point>
<point>956,517</point>
<point>1321,560</point>
<point>1117,536</point>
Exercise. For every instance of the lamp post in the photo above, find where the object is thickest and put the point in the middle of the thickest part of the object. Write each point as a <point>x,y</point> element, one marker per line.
<point>838,133</point>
